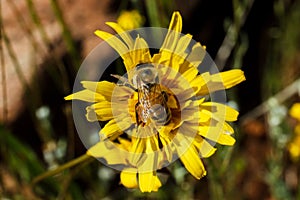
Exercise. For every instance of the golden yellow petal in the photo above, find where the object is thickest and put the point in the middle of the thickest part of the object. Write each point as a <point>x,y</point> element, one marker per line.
<point>175,57</point>
<point>108,151</point>
<point>173,34</point>
<point>114,129</point>
<point>194,58</point>
<point>206,83</point>
<point>166,54</point>
<point>205,148</point>
<point>141,53</point>
<point>99,111</point>
<point>124,35</point>
<point>219,111</point>
<point>231,78</point>
<point>86,95</point>
<point>176,22</point>
<point>200,84</point>
<point>193,163</point>
<point>152,143</point>
<point>136,151</point>
<point>124,143</point>
<point>226,139</point>
<point>182,45</point>
<point>168,148</point>
<point>217,134</point>
<point>188,153</point>
<point>113,41</point>
<point>129,179</point>
<point>104,88</point>
<point>190,74</point>
<point>227,128</point>
<point>148,182</point>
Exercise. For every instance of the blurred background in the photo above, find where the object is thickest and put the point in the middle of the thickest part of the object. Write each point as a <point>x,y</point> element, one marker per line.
<point>43,43</point>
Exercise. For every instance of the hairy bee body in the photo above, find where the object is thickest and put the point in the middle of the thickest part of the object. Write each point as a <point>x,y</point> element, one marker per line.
<point>152,101</point>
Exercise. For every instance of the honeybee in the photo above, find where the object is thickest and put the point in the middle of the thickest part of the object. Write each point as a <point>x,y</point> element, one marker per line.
<point>152,101</point>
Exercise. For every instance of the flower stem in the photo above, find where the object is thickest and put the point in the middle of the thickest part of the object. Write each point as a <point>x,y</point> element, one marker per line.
<point>215,186</point>
<point>61,168</point>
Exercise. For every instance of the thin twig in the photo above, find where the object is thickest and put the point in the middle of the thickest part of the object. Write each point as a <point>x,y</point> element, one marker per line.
<point>45,38</point>
<point>37,21</point>
<point>277,99</point>
<point>35,43</point>
<point>24,26</point>
<point>67,180</point>
<point>71,47</point>
<point>231,37</point>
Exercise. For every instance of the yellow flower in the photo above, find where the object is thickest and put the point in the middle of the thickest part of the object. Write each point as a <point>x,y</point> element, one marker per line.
<point>294,145</point>
<point>295,111</point>
<point>159,112</point>
<point>129,20</point>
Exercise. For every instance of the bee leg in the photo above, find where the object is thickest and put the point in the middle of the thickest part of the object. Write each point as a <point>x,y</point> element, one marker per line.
<point>165,95</point>
<point>122,81</point>
<point>137,116</point>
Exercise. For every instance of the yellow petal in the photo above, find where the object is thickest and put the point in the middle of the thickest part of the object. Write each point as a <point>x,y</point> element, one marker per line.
<point>192,162</point>
<point>182,45</point>
<point>207,83</point>
<point>104,88</point>
<point>148,182</point>
<point>166,53</point>
<point>137,149</point>
<point>188,154</point>
<point>218,111</point>
<point>108,151</point>
<point>205,148</point>
<point>99,111</point>
<point>141,53</point>
<point>232,77</point>
<point>178,55</point>
<point>217,134</point>
<point>114,129</point>
<point>124,35</point>
<point>113,41</point>
<point>129,179</point>
<point>86,95</point>
<point>124,143</point>
<point>190,74</point>
<point>194,58</point>
<point>173,34</point>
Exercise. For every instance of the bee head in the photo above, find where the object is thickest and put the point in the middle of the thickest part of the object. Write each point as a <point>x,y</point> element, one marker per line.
<point>145,74</point>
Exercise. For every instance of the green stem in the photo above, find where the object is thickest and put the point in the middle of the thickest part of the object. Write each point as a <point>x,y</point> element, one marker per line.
<point>215,185</point>
<point>61,168</point>
<point>151,6</point>
<point>71,47</point>
<point>36,20</point>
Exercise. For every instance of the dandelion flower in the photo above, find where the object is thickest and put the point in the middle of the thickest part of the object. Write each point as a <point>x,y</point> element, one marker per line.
<point>130,20</point>
<point>294,145</point>
<point>158,111</point>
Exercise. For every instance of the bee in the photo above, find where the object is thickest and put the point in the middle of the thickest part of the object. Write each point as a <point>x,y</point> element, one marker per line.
<point>152,101</point>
